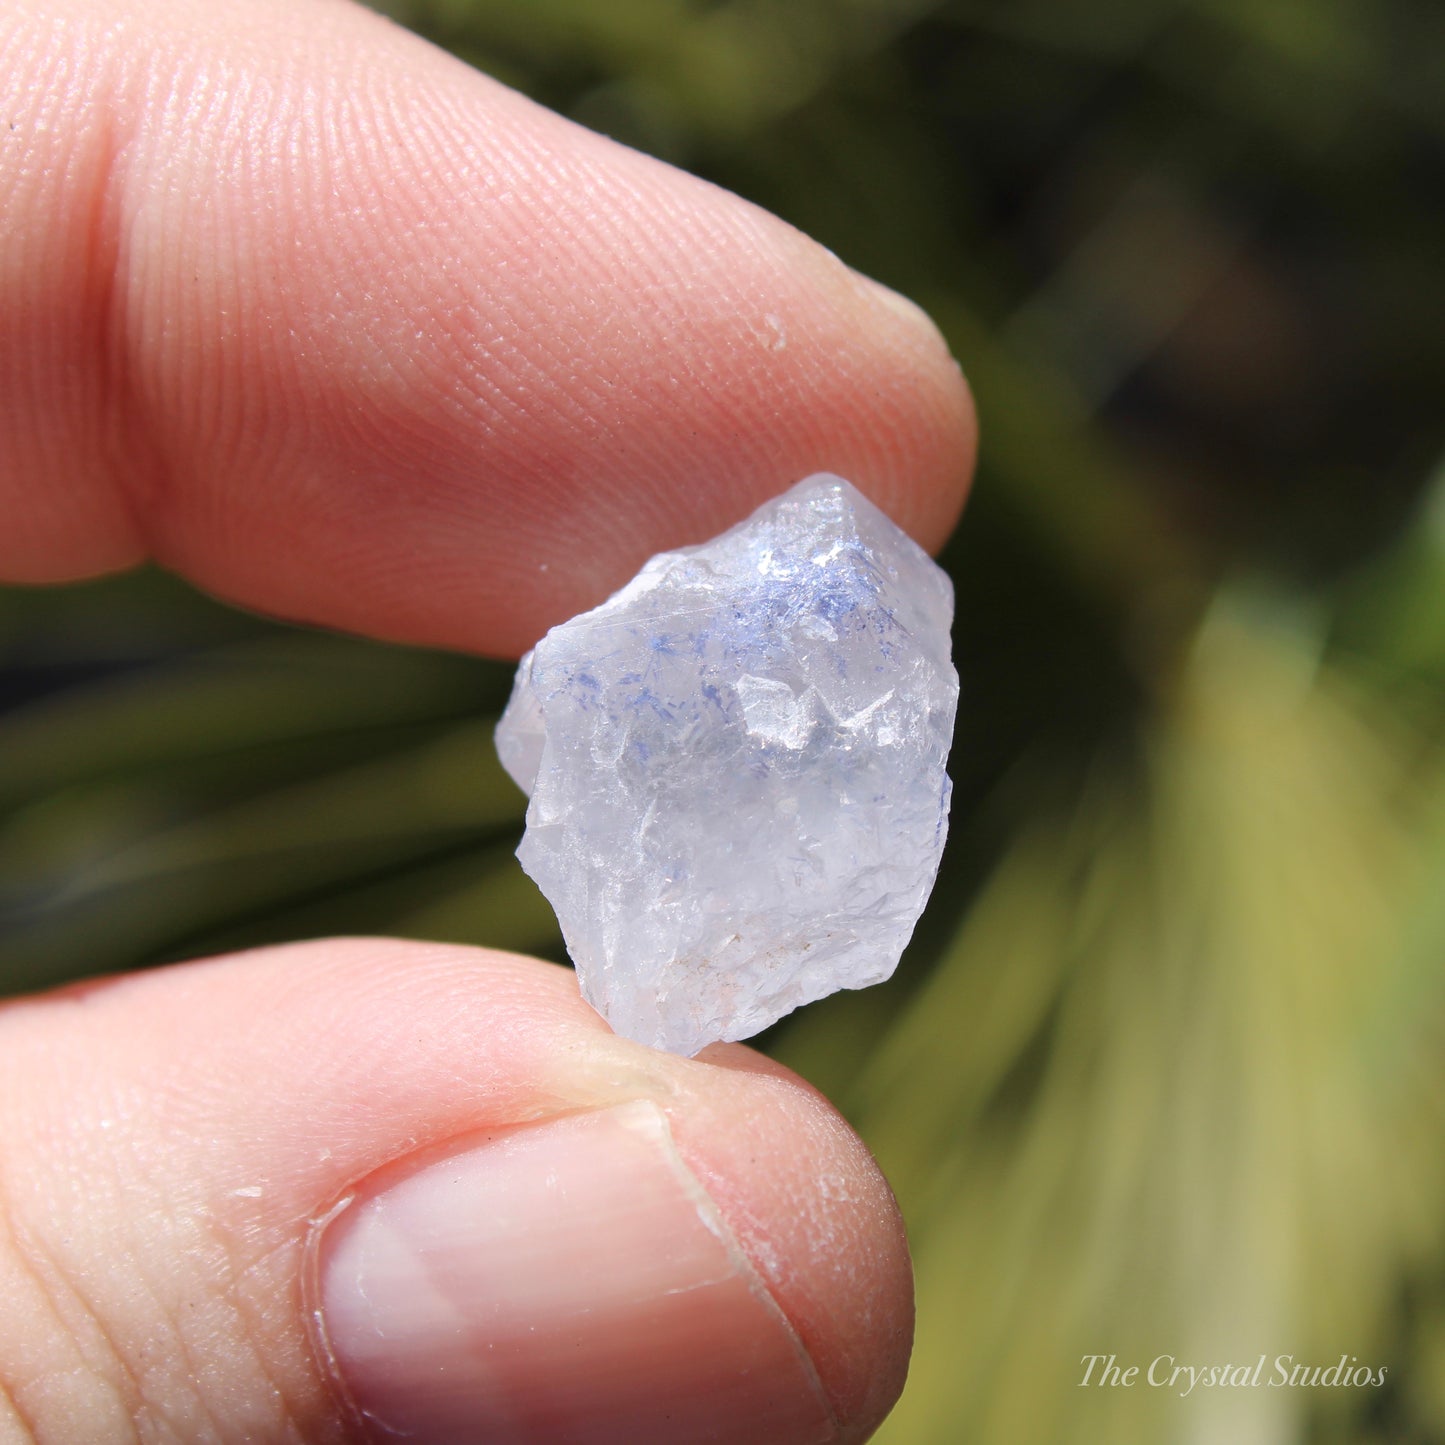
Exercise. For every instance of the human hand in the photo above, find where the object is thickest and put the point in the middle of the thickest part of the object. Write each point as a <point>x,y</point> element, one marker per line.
<point>339,329</point>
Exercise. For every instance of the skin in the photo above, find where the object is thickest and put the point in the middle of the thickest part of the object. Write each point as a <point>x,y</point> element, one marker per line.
<point>318,317</point>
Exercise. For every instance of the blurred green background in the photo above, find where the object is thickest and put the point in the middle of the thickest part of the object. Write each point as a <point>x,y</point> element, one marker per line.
<point>1163,1071</point>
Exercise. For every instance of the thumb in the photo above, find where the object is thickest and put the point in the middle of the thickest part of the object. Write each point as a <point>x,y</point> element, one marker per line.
<point>359,1188</point>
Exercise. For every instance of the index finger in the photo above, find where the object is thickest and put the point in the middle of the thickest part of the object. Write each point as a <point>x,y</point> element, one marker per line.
<point>340,329</point>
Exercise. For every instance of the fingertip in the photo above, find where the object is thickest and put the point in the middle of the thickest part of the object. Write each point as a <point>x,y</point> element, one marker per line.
<point>928,500</point>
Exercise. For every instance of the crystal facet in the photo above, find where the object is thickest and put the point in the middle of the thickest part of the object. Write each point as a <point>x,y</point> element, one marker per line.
<point>736,768</point>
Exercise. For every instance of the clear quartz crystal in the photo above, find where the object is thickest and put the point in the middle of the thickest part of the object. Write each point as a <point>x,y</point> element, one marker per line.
<point>736,768</point>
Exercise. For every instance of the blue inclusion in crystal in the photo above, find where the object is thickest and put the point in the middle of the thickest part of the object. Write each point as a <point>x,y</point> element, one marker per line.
<point>835,603</point>
<point>649,699</point>
<point>657,649</point>
<point>941,826</point>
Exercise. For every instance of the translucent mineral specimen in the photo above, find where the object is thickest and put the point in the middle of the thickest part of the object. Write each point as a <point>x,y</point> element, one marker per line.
<point>736,768</point>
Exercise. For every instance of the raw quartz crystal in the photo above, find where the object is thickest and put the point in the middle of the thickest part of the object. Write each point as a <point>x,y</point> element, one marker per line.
<point>736,768</point>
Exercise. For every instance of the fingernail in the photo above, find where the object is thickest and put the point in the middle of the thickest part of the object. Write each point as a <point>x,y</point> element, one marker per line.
<point>568,1280</point>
